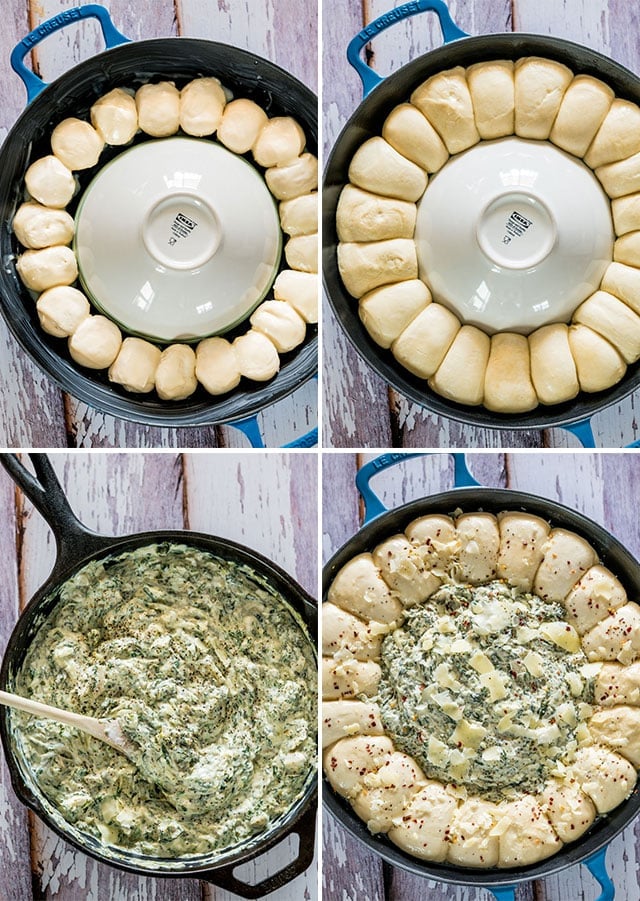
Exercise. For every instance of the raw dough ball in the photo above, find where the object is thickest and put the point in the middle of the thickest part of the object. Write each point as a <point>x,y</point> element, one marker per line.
<point>362,216</point>
<point>378,168</point>
<point>446,102</point>
<point>522,539</point>
<point>61,310</point>
<point>507,381</point>
<point>570,811</point>
<point>202,102</point>
<point>294,179</point>
<point>614,320</point>
<point>540,87</point>
<point>301,253</point>
<point>349,678</point>
<point>621,178</point>
<point>42,269</point>
<point>626,214</point>
<point>135,366</point>
<point>460,376</point>
<point>95,343</point>
<point>241,124</point>
<point>422,346</point>
<point>364,267</point>
<point>342,719</point>
<point>300,291</point>
<point>618,137</point>
<point>585,104</point>
<point>553,371</point>
<point>37,226</point>
<point>627,249</point>
<point>624,283</point>
<point>598,363</point>
<point>346,636</point>
<point>423,829</point>
<point>351,760</point>
<point>279,142</point>
<point>300,215</point>
<point>217,367</point>
<point>405,571</point>
<point>479,544</point>
<point>386,312</point>
<point>473,842</point>
<point>280,323</point>
<point>158,108</point>
<point>360,589</point>
<point>603,775</point>
<point>176,372</point>
<point>76,144</point>
<point>492,91</point>
<point>115,117</point>
<point>50,182</point>
<point>566,559</point>
<point>595,596</point>
<point>257,357</point>
<point>412,135</point>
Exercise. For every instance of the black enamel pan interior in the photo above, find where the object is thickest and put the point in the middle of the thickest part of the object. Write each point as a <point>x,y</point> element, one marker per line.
<point>613,555</point>
<point>130,65</point>
<point>367,122</point>
<point>76,546</point>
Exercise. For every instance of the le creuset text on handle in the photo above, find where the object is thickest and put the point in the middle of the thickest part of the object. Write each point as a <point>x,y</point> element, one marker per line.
<point>373,506</point>
<point>32,82</point>
<point>369,78</point>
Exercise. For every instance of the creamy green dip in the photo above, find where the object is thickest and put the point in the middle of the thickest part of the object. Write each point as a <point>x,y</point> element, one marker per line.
<point>209,672</point>
<point>476,687</point>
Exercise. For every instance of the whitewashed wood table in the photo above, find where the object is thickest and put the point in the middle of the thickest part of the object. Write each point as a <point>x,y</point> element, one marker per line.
<point>33,412</point>
<point>360,410</point>
<point>602,486</point>
<point>267,502</point>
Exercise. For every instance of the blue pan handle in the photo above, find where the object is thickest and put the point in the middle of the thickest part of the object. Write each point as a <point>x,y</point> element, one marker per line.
<point>597,866</point>
<point>369,78</point>
<point>583,432</point>
<point>34,84</point>
<point>373,506</point>
<point>251,430</point>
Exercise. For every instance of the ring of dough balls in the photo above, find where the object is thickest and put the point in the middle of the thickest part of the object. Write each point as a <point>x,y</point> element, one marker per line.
<point>48,265</point>
<point>536,99</point>
<point>386,787</point>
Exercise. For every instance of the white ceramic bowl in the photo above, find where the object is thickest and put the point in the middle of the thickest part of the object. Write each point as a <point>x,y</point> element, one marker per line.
<point>513,234</point>
<point>177,239</point>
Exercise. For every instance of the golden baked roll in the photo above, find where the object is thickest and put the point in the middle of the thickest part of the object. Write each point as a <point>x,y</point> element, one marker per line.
<point>597,594</point>
<point>423,829</point>
<point>345,635</point>
<point>351,760</point>
<point>349,678</point>
<point>405,570</point>
<point>460,376</point>
<point>342,719</point>
<point>422,345</point>
<point>507,382</point>
<point>567,557</point>
<point>479,541</point>
<point>522,541</point>
<point>360,589</point>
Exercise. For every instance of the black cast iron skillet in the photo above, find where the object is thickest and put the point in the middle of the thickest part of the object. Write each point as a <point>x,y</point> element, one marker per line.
<point>367,121</point>
<point>128,64</point>
<point>381,524</point>
<point>76,545</point>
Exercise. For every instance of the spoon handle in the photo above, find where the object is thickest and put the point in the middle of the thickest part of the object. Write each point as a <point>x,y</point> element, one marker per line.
<point>86,723</point>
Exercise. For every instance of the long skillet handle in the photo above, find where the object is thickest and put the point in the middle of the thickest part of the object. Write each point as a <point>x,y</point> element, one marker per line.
<point>73,539</point>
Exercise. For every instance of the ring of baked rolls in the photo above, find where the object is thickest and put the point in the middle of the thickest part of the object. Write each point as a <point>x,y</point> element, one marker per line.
<point>533,98</point>
<point>386,787</point>
<point>48,266</point>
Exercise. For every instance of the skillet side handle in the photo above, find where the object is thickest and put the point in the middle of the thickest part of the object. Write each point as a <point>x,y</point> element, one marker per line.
<point>373,506</point>
<point>34,84</point>
<point>503,892</point>
<point>305,828</point>
<point>597,866</point>
<point>74,541</point>
<point>369,78</point>
<point>583,432</point>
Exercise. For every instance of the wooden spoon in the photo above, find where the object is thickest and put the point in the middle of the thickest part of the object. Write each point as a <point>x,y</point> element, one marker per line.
<point>108,731</point>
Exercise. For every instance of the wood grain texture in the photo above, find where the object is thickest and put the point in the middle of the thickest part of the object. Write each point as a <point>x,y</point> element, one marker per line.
<point>267,28</point>
<point>358,411</point>
<point>602,486</point>
<point>266,501</point>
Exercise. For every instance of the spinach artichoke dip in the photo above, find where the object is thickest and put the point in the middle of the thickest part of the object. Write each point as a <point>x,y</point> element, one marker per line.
<point>481,688</point>
<point>211,676</point>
